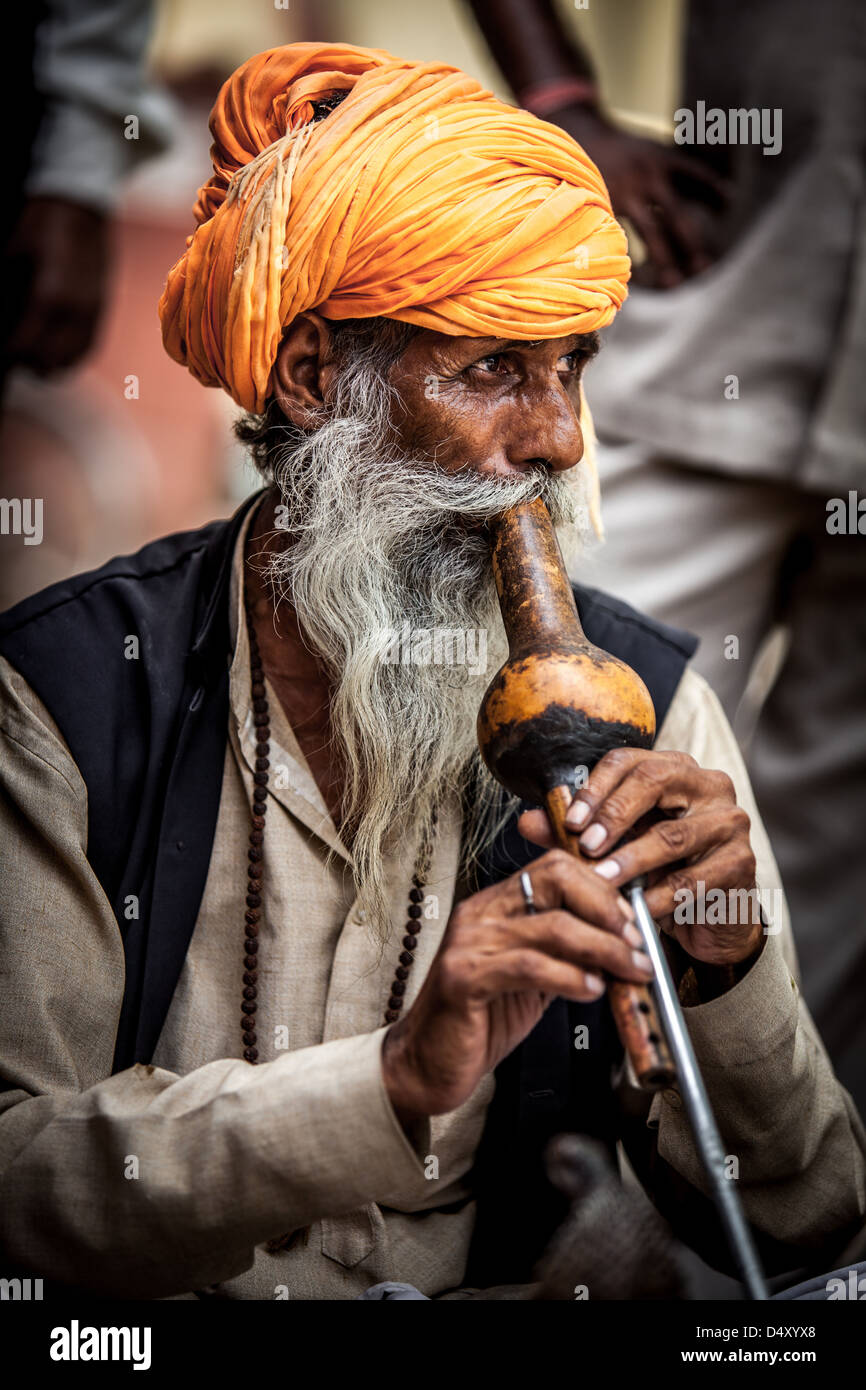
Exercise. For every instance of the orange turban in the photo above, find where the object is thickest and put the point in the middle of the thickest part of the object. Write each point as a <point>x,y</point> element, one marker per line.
<point>419,197</point>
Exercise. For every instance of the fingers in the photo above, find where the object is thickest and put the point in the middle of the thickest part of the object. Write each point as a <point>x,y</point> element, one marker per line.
<point>566,937</point>
<point>674,237</point>
<point>627,784</point>
<point>669,841</point>
<point>527,969</point>
<point>531,965</point>
<point>535,827</point>
<point>559,880</point>
<point>731,865</point>
<point>682,228</point>
<point>652,231</point>
<point>699,176</point>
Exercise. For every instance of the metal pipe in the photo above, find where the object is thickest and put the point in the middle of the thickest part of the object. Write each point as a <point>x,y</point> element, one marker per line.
<point>697,1103</point>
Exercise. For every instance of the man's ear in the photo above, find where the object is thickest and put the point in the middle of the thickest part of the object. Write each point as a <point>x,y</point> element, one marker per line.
<point>302,370</point>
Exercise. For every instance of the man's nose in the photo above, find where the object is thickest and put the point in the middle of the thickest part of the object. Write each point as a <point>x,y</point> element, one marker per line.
<point>549,432</point>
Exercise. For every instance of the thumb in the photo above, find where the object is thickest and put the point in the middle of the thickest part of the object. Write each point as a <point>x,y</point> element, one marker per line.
<point>535,826</point>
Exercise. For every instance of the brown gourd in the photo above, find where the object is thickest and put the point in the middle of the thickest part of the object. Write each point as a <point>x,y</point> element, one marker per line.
<point>556,706</point>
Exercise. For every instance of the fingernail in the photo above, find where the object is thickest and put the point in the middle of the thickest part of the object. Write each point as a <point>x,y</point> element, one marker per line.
<point>642,961</point>
<point>593,838</point>
<point>609,869</point>
<point>577,815</point>
<point>632,936</point>
<point>594,983</point>
<point>626,908</point>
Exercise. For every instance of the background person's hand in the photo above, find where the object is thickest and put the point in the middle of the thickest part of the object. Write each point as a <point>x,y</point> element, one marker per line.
<point>702,837</point>
<point>670,198</point>
<point>57,262</point>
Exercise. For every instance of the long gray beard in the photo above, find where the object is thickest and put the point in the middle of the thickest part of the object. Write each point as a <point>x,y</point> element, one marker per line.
<point>395,594</point>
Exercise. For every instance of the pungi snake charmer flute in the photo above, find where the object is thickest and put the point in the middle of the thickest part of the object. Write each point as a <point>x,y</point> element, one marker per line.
<point>553,710</point>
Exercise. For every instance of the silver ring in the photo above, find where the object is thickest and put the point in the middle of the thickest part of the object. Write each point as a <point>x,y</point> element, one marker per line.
<point>528,897</point>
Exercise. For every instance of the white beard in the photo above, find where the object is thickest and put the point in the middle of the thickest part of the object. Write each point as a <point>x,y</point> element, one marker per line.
<point>379,548</point>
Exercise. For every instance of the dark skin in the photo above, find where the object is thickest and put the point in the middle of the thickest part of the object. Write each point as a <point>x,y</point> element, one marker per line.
<point>503,408</point>
<point>59,255</point>
<point>670,197</point>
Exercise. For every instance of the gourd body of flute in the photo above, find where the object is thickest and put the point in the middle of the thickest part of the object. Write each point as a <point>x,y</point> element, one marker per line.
<point>559,703</point>
<point>557,706</point>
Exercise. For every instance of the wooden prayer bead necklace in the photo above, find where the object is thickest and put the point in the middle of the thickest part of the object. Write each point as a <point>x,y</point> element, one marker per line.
<point>255,866</point>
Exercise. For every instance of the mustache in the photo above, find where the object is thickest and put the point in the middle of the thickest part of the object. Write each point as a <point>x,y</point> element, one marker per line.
<point>468,492</point>
<point>425,487</point>
<point>471,500</point>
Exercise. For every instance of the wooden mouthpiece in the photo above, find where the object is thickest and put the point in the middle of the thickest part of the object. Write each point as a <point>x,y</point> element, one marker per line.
<point>553,710</point>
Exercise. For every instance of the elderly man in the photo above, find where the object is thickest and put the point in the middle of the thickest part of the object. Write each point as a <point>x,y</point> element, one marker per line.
<point>278,1022</point>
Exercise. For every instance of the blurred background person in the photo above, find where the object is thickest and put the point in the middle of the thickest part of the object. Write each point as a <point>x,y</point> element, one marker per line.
<point>88,117</point>
<point>110,136</point>
<point>729,399</point>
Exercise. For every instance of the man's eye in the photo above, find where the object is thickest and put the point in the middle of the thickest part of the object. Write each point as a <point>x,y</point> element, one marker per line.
<point>500,364</point>
<point>495,363</point>
<point>570,363</point>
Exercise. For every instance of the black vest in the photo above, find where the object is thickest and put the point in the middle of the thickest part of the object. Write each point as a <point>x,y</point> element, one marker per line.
<point>149,735</point>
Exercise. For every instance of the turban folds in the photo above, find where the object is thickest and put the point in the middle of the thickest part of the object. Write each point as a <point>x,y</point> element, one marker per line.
<point>419,197</point>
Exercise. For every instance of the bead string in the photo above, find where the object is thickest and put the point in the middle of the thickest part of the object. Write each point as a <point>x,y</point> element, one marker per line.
<point>413,925</point>
<point>253,913</point>
<point>255,865</point>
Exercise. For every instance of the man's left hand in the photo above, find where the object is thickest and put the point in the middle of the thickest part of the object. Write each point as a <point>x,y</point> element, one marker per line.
<point>703,837</point>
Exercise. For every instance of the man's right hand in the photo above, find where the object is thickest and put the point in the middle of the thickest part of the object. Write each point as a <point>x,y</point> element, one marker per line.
<point>495,973</point>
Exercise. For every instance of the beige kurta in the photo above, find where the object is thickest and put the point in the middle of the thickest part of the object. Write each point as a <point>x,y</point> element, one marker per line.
<point>169,1178</point>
